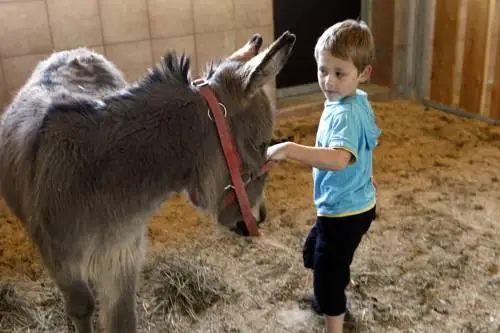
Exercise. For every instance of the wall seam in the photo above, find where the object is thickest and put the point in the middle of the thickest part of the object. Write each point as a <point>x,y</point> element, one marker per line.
<point>51,34</point>
<point>195,46</point>
<point>150,33</point>
<point>101,25</point>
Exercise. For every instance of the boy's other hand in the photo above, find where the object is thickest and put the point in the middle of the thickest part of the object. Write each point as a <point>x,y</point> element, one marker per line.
<point>278,151</point>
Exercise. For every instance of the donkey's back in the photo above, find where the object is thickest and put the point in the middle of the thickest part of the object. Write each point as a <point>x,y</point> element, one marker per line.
<point>30,178</point>
<point>66,75</point>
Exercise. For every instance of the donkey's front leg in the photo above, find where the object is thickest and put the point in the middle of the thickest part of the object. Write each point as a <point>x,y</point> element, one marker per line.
<point>117,287</point>
<point>78,300</point>
<point>117,311</point>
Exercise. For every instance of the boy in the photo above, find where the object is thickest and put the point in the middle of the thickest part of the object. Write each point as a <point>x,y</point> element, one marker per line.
<point>344,193</point>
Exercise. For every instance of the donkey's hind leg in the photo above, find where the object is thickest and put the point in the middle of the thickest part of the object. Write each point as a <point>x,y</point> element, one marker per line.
<point>118,284</point>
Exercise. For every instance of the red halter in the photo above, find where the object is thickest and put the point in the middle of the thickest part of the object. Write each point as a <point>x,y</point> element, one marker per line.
<point>232,158</point>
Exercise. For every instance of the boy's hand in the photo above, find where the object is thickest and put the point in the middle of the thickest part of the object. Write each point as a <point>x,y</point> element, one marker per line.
<point>277,151</point>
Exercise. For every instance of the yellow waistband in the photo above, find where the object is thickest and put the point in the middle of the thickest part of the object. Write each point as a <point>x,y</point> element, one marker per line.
<point>359,211</point>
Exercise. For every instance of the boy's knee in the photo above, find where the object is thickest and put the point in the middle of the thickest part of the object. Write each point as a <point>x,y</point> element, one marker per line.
<point>308,251</point>
<point>308,257</point>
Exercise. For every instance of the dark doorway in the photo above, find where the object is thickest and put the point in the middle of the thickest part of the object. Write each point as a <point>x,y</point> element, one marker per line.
<point>308,20</point>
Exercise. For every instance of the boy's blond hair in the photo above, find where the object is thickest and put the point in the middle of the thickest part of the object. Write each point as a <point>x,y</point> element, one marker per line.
<point>348,40</point>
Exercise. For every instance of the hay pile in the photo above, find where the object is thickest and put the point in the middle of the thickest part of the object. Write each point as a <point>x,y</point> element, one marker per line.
<point>23,309</point>
<point>178,288</point>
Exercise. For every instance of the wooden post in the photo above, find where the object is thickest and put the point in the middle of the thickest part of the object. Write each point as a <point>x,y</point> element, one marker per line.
<point>444,51</point>
<point>476,55</point>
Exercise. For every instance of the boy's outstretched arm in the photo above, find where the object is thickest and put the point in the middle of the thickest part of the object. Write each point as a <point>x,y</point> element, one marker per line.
<point>321,158</point>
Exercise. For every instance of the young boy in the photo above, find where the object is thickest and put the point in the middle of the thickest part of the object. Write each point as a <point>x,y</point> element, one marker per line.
<point>344,193</point>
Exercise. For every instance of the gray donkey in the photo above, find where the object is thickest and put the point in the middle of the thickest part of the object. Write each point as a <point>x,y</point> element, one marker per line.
<point>86,159</point>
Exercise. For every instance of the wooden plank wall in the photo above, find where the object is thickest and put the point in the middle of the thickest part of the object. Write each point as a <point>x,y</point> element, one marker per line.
<point>443,52</point>
<point>478,57</point>
<point>383,28</point>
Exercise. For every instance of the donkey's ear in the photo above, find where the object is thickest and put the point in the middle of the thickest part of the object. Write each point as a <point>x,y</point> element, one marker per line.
<point>249,50</point>
<point>266,65</point>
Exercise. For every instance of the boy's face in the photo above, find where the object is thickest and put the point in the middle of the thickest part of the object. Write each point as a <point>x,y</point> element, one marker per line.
<point>339,78</point>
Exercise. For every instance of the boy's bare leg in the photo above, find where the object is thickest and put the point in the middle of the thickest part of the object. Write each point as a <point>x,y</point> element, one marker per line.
<point>334,324</point>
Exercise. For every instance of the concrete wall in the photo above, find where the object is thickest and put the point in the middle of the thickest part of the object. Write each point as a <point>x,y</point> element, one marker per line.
<point>131,33</point>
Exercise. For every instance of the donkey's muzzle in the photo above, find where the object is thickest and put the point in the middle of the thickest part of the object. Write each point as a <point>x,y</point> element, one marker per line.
<point>241,228</point>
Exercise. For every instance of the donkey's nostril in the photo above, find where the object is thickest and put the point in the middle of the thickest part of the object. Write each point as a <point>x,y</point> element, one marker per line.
<point>241,229</point>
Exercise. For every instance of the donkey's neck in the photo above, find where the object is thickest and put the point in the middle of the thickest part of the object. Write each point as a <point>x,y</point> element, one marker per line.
<point>163,135</point>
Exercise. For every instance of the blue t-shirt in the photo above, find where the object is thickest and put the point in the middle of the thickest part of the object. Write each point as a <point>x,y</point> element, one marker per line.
<point>347,124</point>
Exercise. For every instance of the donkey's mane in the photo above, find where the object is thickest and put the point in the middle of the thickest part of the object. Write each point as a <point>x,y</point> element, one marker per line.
<point>176,67</point>
<point>172,67</point>
<point>211,66</point>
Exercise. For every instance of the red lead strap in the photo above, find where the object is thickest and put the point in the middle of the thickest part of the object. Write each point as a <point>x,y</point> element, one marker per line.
<point>232,158</point>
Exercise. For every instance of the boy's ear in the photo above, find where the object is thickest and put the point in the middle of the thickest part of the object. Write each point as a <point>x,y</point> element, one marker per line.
<point>364,76</point>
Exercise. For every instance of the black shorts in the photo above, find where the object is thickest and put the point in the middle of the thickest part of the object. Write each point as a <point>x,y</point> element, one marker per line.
<point>328,250</point>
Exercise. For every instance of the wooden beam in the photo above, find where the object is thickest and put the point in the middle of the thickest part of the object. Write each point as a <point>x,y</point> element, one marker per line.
<point>476,55</point>
<point>446,25</point>
<point>495,94</point>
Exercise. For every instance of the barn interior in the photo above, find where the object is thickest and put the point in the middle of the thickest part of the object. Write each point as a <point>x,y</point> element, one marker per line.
<point>431,260</point>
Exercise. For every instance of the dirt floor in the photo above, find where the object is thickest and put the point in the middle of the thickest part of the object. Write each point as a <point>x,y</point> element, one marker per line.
<point>430,263</point>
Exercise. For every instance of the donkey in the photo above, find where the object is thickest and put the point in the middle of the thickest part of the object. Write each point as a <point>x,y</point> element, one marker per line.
<point>86,159</point>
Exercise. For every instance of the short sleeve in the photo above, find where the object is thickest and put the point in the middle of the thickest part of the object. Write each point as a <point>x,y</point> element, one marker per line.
<point>343,133</point>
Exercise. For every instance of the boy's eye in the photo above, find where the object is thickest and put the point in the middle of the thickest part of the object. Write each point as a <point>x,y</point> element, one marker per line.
<point>339,74</point>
